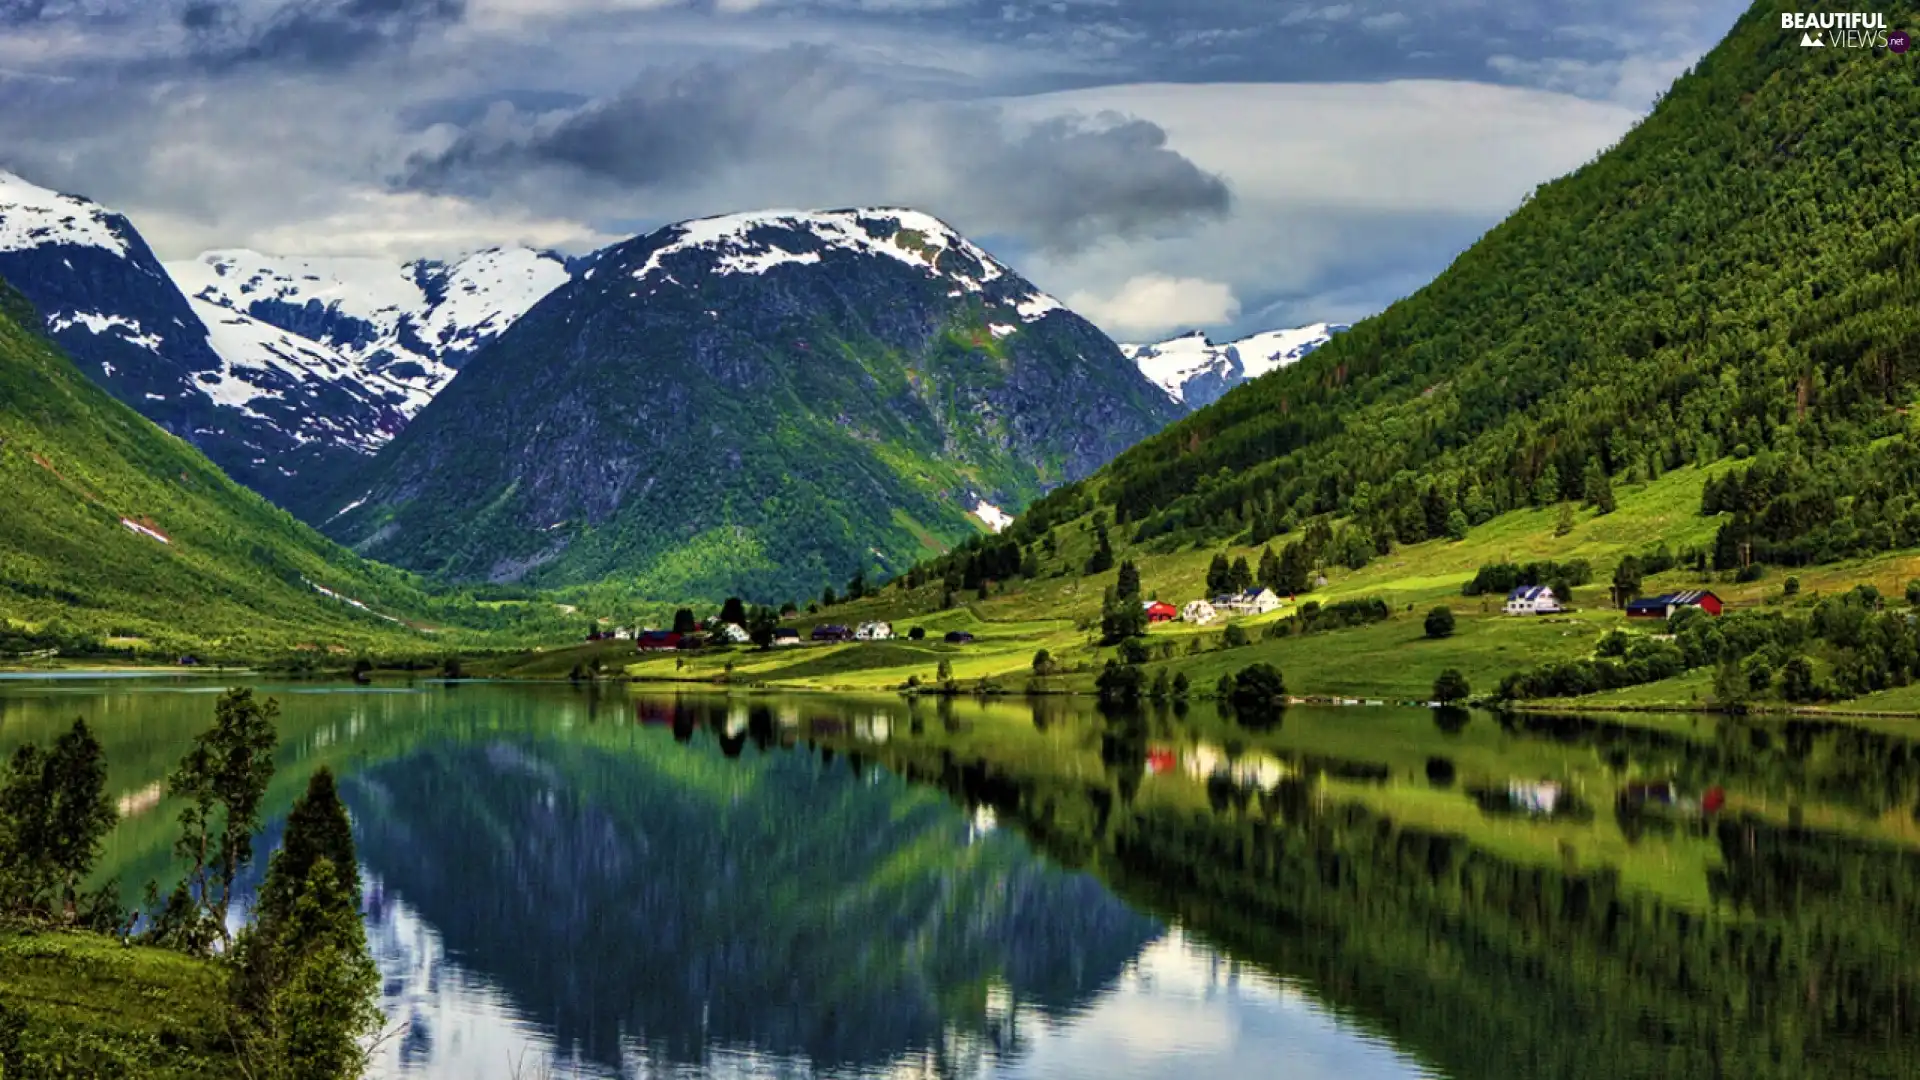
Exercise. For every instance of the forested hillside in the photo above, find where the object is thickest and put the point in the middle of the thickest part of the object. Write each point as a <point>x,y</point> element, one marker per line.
<point>1734,279</point>
<point>116,531</point>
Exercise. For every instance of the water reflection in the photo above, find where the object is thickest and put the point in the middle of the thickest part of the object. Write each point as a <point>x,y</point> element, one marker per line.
<point>620,884</point>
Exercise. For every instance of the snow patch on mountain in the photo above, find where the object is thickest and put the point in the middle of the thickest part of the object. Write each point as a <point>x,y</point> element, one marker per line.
<point>1194,370</point>
<point>95,323</point>
<point>994,517</point>
<point>397,327</point>
<point>756,242</point>
<point>32,216</point>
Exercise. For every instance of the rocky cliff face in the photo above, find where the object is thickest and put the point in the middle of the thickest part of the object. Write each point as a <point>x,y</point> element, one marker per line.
<point>758,404</point>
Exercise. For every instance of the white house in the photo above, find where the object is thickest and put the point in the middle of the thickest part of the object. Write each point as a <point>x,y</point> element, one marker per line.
<point>734,632</point>
<point>1199,613</point>
<point>873,631</point>
<point>1532,600</point>
<point>621,633</point>
<point>1251,602</point>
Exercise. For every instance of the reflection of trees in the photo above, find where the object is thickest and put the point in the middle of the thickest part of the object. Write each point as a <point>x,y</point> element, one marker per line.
<point>687,900</point>
<point>1808,965</point>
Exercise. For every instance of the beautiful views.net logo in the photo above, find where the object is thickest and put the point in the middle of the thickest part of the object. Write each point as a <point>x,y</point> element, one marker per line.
<point>1844,30</point>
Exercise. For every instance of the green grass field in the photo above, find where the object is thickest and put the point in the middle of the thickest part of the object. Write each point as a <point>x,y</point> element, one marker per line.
<point>97,1008</point>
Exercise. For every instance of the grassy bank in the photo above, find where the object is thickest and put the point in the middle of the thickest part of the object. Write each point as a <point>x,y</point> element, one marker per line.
<point>95,1008</point>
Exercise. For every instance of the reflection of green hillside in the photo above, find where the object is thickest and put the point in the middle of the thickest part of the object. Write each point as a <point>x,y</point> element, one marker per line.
<point>617,884</point>
<point>1787,953</point>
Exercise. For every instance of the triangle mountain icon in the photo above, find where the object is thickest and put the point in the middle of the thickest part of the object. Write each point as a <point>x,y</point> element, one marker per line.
<point>1811,41</point>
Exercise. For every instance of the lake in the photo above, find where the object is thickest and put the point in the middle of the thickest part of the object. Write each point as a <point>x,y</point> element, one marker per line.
<point>603,881</point>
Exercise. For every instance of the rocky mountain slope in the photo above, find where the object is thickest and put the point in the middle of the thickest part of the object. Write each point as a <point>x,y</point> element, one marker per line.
<point>1195,371</point>
<point>758,404</point>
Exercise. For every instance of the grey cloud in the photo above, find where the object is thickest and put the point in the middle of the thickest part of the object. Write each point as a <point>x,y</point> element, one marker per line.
<point>320,34</point>
<point>813,129</point>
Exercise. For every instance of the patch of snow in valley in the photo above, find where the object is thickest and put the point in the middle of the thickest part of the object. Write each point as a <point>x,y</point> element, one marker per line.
<point>995,518</point>
<point>348,600</point>
<point>351,507</point>
<point>1001,330</point>
<point>32,216</point>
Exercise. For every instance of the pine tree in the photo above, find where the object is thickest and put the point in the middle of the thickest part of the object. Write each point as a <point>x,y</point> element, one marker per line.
<point>1129,583</point>
<point>1218,575</point>
<point>734,611</point>
<point>1597,488</point>
<point>1270,569</point>
<point>684,622</point>
<point>1240,577</point>
<point>1102,559</point>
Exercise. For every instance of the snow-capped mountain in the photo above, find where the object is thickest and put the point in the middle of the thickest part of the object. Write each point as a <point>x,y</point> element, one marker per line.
<point>1195,371</point>
<point>285,371</point>
<point>795,396</point>
<point>276,414</point>
<point>404,325</point>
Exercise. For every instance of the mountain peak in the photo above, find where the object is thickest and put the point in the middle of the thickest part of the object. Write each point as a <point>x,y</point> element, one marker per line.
<point>758,241</point>
<point>1195,370</point>
<point>32,216</point>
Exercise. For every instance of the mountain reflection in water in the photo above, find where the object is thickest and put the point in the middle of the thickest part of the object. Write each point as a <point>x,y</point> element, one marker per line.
<point>603,882</point>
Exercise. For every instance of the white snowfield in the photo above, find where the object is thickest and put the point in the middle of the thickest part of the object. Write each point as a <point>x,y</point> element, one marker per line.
<point>97,324</point>
<point>756,242</point>
<point>260,361</point>
<point>32,217</point>
<point>1173,363</point>
<point>484,294</point>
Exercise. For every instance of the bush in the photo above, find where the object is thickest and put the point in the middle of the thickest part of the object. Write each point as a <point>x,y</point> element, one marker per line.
<point>1043,663</point>
<point>1235,637</point>
<point>918,633</point>
<point>1750,572</point>
<point>1133,651</point>
<point>1913,593</point>
<point>1451,686</point>
<point>1119,684</point>
<point>1440,622</point>
<point>1257,687</point>
<point>1792,588</point>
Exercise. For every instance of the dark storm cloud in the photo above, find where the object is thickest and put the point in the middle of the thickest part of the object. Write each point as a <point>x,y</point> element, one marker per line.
<point>308,33</point>
<point>802,116</point>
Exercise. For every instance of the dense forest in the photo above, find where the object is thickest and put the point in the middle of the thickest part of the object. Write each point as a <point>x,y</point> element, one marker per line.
<point>1731,280</point>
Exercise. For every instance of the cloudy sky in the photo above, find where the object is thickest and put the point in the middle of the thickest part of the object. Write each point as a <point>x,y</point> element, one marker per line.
<point>1162,165</point>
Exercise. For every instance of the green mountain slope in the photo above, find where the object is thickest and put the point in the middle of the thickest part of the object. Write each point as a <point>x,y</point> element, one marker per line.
<point>1736,277</point>
<point>756,405</point>
<point>112,528</point>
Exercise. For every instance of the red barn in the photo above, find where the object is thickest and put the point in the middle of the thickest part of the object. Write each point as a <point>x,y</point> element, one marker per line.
<point>658,640</point>
<point>1159,611</point>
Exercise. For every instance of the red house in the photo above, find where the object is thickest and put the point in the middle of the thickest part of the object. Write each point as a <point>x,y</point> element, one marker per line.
<point>1663,607</point>
<point>658,640</point>
<point>1159,611</point>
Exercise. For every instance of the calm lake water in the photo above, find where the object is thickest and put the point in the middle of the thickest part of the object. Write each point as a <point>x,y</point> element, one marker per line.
<point>604,882</point>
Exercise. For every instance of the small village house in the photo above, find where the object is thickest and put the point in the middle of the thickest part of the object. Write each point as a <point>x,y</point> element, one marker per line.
<point>874,631</point>
<point>786,635</point>
<point>733,632</point>
<point>1663,606</point>
<point>1199,613</point>
<point>958,637</point>
<point>1251,602</point>
<point>658,641</point>
<point>1159,611</point>
<point>832,632</point>
<point>1532,600</point>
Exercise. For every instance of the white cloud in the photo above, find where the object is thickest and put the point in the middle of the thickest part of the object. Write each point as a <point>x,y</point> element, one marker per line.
<point>1150,303</point>
<point>1333,184</point>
